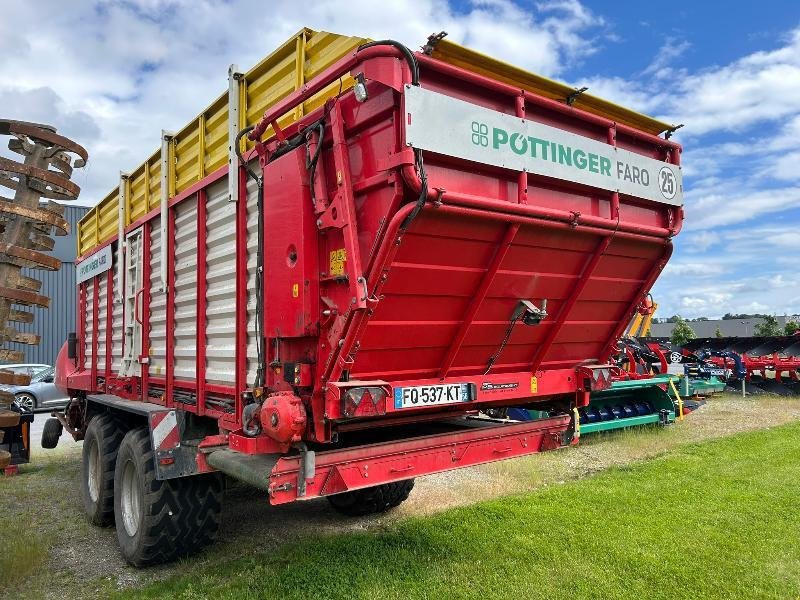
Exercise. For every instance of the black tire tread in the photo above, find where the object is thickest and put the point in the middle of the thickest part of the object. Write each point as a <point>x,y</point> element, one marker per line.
<point>110,433</point>
<point>181,516</point>
<point>372,500</point>
<point>51,432</point>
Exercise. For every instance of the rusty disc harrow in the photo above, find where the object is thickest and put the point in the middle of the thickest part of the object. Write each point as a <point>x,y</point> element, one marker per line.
<point>28,218</point>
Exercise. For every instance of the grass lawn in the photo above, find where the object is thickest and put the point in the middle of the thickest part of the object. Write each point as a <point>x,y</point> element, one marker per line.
<point>712,520</point>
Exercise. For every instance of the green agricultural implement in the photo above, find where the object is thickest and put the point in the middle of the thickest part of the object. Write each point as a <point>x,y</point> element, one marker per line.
<point>627,403</point>
<point>691,387</point>
<point>631,403</point>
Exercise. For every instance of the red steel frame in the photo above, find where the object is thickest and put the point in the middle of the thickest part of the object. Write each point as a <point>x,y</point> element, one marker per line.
<point>241,293</point>
<point>109,324</point>
<point>326,401</point>
<point>761,364</point>
<point>144,359</point>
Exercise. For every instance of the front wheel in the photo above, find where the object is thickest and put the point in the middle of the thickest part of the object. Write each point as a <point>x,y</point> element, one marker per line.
<point>51,433</point>
<point>159,521</point>
<point>371,500</point>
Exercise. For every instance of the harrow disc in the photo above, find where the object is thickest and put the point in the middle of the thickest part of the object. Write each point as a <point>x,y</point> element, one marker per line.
<point>26,224</point>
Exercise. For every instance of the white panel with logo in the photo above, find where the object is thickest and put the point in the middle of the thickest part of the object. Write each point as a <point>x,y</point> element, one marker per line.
<point>453,127</point>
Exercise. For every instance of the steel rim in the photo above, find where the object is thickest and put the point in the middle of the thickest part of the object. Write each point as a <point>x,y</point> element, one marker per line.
<point>94,472</point>
<point>26,402</point>
<point>131,499</point>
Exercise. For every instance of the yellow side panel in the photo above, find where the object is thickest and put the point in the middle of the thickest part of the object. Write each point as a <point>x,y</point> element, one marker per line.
<point>137,199</point>
<point>107,216</point>
<point>87,231</point>
<point>457,55</point>
<point>154,181</point>
<point>201,147</point>
<point>187,157</point>
<point>216,136</point>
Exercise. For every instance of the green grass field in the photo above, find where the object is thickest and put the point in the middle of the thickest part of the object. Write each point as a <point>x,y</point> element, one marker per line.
<point>713,520</point>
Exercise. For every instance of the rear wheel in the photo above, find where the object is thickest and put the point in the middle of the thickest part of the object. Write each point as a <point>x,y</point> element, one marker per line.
<point>377,499</point>
<point>100,446</point>
<point>159,521</point>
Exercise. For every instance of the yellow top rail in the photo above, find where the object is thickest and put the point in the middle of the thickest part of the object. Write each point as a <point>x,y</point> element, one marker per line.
<point>457,55</point>
<point>201,147</point>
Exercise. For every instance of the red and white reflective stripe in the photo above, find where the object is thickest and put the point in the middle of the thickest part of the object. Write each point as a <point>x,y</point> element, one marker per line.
<point>164,430</point>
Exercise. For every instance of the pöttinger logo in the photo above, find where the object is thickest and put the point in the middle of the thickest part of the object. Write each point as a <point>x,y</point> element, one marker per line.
<point>480,134</point>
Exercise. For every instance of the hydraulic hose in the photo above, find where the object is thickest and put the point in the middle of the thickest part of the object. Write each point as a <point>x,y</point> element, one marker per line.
<point>259,324</point>
<point>409,56</point>
<point>414,67</point>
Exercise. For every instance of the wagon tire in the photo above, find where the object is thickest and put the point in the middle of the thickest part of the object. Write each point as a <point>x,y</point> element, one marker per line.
<point>100,445</point>
<point>51,433</point>
<point>372,500</point>
<point>160,521</point>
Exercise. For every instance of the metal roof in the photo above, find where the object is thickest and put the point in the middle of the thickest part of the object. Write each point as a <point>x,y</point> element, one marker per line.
<point>728,327</point>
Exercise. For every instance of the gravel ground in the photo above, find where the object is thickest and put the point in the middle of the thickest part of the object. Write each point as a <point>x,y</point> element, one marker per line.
<point>84,560</point>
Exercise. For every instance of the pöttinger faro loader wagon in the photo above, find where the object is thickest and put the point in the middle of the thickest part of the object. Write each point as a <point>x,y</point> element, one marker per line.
<point>318,285</point>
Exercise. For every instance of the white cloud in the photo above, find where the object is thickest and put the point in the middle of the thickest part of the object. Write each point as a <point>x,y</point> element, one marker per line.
<point>786,167</point>
<point>760,87</point>
<point>113,74</point>
<point>727,205</point>
<point>702,270</point>
<point>136,67</point>
<point>691,297</point>
<point>661,66</point>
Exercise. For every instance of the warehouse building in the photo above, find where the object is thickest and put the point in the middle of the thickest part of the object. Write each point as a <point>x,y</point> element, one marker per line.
<point>55,323</point>
<point>727,327</point>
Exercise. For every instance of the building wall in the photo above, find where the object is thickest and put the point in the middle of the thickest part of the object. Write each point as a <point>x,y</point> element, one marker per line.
<point>728,327</point>
<point>54,323</point>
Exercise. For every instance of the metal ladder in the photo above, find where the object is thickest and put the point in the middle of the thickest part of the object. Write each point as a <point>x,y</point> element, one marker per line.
<point>131,363</point>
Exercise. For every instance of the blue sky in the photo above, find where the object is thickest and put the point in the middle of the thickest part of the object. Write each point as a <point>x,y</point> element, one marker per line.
<point>113,74</point>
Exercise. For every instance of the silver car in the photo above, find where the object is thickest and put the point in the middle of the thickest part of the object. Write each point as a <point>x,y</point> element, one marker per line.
<point>41,393</point>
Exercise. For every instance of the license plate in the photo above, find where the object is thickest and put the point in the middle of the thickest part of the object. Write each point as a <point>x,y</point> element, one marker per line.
<point>431,395</point>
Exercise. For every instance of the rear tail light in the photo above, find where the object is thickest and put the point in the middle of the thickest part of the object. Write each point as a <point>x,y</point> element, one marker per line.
<point>364,401</point>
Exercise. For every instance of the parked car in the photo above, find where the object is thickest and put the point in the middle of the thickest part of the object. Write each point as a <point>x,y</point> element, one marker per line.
<point>41,393</point>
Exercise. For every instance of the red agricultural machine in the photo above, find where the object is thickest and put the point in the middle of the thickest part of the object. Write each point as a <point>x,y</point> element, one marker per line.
<point>320,283</point>
<point>766,364</point>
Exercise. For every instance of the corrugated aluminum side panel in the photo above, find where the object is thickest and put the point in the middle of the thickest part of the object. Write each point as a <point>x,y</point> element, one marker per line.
<point>221,285</point>
<point>157,349</point>
<point>116,319</point>
<point>185,336</point>
<point>102,322</point>
<point>88,337</point>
